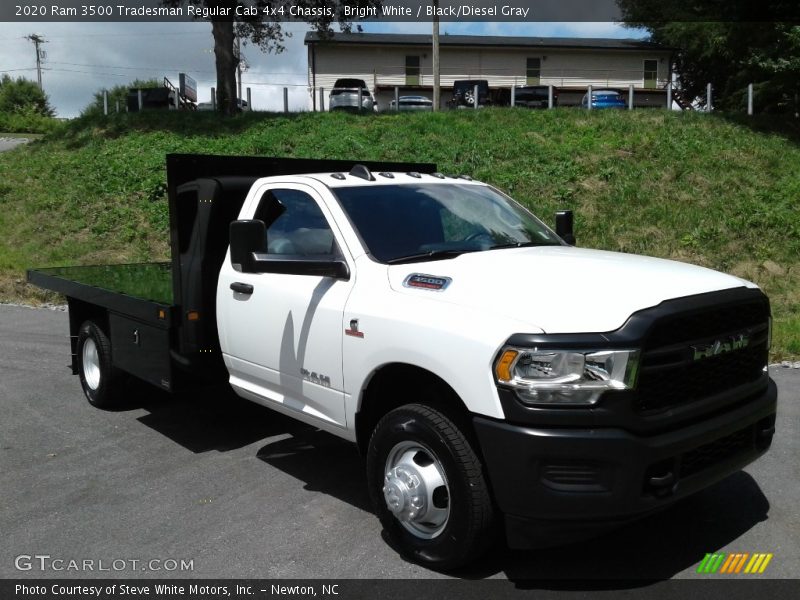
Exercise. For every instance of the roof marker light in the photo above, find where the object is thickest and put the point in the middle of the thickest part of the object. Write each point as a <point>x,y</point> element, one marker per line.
<point>362,172</point>
<point>338,176</point>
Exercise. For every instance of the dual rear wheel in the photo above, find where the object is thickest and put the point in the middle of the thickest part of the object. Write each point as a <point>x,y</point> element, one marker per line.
<point>97,373</point>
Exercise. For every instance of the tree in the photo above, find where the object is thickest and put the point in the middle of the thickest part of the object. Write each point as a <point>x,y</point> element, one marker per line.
<point>729,45</point>
<point>118,93</point>
<point>22,95</point>
<point>260,22</point>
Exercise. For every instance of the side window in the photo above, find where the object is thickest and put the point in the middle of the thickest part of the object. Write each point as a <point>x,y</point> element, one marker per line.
<point>295,224</point>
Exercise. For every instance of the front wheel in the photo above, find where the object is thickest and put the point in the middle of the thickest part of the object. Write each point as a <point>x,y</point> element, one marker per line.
<point>427,485</point>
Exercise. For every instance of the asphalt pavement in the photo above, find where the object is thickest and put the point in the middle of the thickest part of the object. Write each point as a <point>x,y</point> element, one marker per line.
<point>243,492</point>
<point>9,143</point>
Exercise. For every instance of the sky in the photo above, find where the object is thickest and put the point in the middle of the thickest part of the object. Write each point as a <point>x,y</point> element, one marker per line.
<point>83,58</point>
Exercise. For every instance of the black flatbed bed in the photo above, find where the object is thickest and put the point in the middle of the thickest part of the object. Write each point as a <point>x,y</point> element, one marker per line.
<point>142,290</point>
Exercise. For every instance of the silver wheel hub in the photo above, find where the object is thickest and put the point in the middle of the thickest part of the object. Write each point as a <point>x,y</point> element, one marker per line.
<point>415,489</point>
<point>91,364</point>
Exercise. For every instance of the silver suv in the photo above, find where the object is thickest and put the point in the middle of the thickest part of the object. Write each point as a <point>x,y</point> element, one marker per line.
<point>344,95</point>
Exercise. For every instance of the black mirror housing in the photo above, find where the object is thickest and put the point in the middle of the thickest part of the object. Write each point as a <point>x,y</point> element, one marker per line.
<point>564,224</point>
<point>246,238</point>
<point>320,266</point>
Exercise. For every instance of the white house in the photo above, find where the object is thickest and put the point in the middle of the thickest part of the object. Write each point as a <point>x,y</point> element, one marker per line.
<point>385,61</point>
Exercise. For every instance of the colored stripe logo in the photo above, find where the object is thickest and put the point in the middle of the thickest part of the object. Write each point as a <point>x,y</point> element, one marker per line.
<point>735,563</point>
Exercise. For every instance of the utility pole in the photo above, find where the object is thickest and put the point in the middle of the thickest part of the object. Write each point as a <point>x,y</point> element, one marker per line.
<point>239,69</point>
<point>37,40</point>
<point>436,70</point>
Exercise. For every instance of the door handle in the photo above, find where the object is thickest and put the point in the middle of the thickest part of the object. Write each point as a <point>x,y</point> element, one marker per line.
<point>242,288</point>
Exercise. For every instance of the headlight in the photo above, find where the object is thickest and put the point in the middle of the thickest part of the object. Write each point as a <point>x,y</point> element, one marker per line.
<point>566,377</point>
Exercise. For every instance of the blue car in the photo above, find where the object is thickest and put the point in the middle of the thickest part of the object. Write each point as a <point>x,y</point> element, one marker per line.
<point>605,99</point>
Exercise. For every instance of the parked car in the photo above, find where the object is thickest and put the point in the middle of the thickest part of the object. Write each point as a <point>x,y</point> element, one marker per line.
<point>210,105</point>
<point>605,99</point>
<point>412,103</point>
<point>344,95</point>
<point>534,96</point>
<point>464,93</point>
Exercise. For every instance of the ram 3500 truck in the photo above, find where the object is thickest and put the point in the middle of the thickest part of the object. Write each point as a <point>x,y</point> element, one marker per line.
<point>494,375</point>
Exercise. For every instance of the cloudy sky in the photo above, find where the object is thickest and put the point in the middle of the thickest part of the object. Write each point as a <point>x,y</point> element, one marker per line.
<point>85,57</point>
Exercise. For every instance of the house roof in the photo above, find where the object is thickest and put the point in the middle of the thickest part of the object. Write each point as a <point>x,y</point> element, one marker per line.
<point>485,41</point>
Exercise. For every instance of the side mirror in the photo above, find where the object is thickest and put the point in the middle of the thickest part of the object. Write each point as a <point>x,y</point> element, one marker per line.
<point>564,223</point>
<point>246,237</point>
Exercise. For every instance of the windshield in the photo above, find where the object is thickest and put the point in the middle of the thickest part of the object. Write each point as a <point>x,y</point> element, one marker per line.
<point>427,221</point>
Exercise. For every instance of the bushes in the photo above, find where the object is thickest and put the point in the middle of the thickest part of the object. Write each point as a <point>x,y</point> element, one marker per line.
<point>24,108</point>
<point>27,120</point>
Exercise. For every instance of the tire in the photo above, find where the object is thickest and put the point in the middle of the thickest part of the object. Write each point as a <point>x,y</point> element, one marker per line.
<point>95,368</point>
<point>415,448</point>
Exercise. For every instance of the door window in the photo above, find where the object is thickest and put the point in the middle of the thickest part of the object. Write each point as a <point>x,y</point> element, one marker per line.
<point>412,70</point>
<point>533,71</point>
<point>650,74</point>
<point>295,224</point>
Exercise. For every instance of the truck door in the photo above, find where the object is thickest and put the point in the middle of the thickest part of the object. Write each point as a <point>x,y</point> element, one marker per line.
<point>282,343</point>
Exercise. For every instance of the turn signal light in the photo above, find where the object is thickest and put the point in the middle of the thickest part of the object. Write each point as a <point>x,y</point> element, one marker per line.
<point>503,368</point>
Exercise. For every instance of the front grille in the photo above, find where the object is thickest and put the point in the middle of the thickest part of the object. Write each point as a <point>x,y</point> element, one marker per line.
<point>684,327</point>
<point>664,387</point>
<point>717,451</point>
<point>670,375</point>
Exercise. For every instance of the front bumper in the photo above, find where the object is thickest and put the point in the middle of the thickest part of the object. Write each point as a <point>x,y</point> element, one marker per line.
<point>606,475</point>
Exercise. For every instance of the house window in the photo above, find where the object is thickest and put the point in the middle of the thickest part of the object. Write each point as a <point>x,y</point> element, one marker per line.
<point>533,71</point>
<point>651,74</point>
<point>412,70</point>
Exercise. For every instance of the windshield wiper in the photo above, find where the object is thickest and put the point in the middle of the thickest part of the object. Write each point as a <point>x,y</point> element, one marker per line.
<point>519,245</point>
<point>423,256</point>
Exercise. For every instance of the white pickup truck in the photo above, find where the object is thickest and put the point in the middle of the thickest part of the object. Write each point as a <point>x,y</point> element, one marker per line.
<point>497,378</point>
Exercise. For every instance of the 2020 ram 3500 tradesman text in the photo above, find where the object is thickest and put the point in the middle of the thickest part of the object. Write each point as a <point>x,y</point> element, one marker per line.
<point>491,373</point>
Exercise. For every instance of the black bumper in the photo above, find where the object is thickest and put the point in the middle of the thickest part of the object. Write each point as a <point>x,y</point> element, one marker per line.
<point>607,475</point>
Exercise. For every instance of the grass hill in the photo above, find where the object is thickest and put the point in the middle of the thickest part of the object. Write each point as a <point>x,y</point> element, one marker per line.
<point>704,189</point>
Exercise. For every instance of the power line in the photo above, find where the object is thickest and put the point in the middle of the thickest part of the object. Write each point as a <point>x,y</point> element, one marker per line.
<point>149,68</point>
<point>88,72</point>
<point>161,68</point>
<point>117,35</point>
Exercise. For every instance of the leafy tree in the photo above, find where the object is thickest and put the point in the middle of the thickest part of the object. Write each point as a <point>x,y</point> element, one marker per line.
<point>22,95</point>
<point>118,93</point>
<point>262,27</point>
<point>728,44</point>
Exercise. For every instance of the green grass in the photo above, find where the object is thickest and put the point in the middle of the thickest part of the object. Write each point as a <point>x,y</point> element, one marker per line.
<point>710,190</point>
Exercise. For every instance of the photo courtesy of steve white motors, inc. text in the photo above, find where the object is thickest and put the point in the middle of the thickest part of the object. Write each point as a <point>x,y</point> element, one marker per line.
<point>194,590</point>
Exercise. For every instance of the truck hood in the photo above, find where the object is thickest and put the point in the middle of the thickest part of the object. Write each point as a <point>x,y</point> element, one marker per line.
<point>560,289</point>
